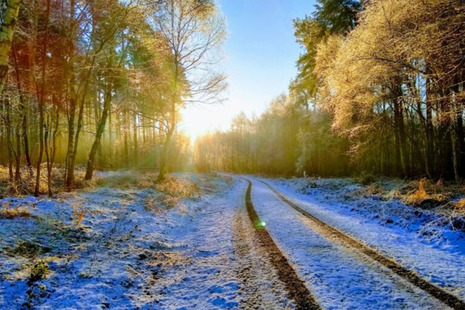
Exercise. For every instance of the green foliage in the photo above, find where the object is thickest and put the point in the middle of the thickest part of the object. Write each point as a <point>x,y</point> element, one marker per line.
<point>330,17</point>
<point>339,16</point>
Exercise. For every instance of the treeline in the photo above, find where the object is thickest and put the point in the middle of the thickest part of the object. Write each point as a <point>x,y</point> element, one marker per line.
<point>99,84</point>
<point>286,139</point>
<point>380,89</point>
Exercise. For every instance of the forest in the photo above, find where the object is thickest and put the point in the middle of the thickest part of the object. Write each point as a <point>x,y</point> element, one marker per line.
<point>99,85</point>
<point>379,90</point>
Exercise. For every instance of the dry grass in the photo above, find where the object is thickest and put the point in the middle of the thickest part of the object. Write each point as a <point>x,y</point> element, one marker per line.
<point>9,211</point>
<point>171,186</point>
<point>80,183</point>
<point>178,188</point>
<point>78,213</point>
<point>126,181</point>
<point>171,190</point>
<point>26,184</point>
<point>421,197</point>
<point>459,207</point>
<point>152,204</point>
<point>460,204</point>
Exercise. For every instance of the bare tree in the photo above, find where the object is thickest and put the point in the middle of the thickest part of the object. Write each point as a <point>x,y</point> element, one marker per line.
<point>194,30</point>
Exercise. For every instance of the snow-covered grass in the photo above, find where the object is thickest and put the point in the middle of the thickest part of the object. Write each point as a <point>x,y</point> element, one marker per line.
<point>390,201</point>
<point>428,240</point>
<point>121,252</point>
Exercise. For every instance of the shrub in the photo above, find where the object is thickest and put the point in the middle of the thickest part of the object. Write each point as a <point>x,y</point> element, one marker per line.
<point>171,190</point>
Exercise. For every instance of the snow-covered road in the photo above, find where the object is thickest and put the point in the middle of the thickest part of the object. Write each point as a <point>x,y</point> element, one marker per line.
<point>339,277</point>
<point>208,253</point>
<point>394,229</point>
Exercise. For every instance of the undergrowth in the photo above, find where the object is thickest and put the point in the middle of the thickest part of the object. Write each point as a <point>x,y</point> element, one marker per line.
<point>422,198</point>
<point>27,181</point>
<point>9,210</point>
<point>171,190</point>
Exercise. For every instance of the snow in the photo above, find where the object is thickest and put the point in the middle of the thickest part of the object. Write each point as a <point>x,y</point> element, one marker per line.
<point>203,254</point>
<point>124,256</point>
<point>339,278</point>
<point>420,240</point>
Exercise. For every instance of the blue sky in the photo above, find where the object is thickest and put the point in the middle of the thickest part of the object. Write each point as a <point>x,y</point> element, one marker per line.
<point>260,56</point>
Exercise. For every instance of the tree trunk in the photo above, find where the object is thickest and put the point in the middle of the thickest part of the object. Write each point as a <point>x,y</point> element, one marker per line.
<point>41,146</point>
<point>11,151</point>
<point>8,141</point>
<point>18,155</point>
<point>53,148</point>
<point>42,104</point>
<point>69,182</point>
<point>171,127</point>
<point>6,36</point>
<point>125,138</point>
<point>98,135</point>
<point>136,142</point>
<point>70,156</point>
<point>47,156</point>
<point>429,158</point>
<point>164,156</point>
<point>399,129</point>
<point>23,110</point>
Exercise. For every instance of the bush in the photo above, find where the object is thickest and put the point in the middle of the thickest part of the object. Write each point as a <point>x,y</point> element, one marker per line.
<point>460,205</point>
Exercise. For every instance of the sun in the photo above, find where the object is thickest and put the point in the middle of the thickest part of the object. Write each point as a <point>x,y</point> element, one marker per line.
<point>198,120</point>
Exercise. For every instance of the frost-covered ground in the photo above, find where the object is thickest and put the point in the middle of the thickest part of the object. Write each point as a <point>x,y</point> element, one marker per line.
<point>123,255</point>
<point>422,240</point>
<point>339,278</point>
<point>137,248</point>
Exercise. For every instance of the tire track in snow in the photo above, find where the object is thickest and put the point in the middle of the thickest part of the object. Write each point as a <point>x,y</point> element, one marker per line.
<point>295,286</point>
<point>247,270</point>
<point>332,233</point>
